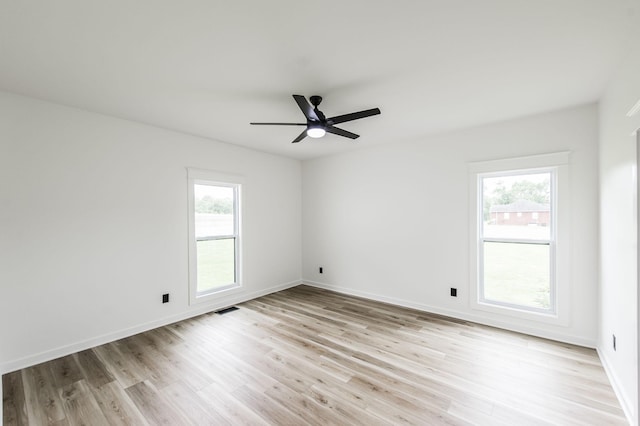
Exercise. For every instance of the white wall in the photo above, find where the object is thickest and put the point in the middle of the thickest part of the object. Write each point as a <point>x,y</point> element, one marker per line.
<point>93,226</point>
<point>618,233</point>
<point>391,222</point>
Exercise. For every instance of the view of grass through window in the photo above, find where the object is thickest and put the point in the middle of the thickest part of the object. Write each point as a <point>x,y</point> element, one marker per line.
<point>216,264</point>
<point>215,236</point>
<point>516,240</point>
<point>517,274</point>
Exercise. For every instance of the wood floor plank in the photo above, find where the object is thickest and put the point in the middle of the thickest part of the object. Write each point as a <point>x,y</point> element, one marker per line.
<point>352,414</point>
<point>308,356</point>
<point>93,370</point>
<point>116,405</point>
<point>121,366</point>
<point>14,407</point>
<point>192,405</point>
<point>44,406</point>
<point>154,406</point>
<point>191,372</point>
<point>153,365</point>
<point>230,409</point>
<point>64,371</point>
<point>80,406</point>
<point>266,407</point>
<point>309,409</point>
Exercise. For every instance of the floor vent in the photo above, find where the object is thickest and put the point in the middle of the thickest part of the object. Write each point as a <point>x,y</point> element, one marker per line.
<point>226,310</point>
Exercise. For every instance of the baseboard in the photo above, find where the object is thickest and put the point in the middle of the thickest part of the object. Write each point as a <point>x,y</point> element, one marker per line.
<point>625,403</point>
<point>224,302</point>
<point>532,331</point>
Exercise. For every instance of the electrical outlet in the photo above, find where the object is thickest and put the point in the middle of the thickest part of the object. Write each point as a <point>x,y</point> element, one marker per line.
<point>165,298</point>
<point>320,270</point>
<point>454,292</point>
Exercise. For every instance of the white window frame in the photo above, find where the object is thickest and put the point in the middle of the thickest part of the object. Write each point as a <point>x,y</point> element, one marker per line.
<point>207,177</point>
<point>559,243</point>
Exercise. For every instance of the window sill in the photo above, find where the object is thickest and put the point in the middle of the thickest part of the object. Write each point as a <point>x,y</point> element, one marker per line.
<point>523,314</point>
<point>216,295</point>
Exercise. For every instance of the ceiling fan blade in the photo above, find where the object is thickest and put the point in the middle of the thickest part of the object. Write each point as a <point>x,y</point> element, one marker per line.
<point>306,108</point>
<point>279,124</point>
<point>354,116</point>
<point>341,132</point>
<point>300,136</point>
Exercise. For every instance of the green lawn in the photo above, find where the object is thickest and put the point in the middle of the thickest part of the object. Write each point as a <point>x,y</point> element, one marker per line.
<point>517,274</point>
<point>216,267</point>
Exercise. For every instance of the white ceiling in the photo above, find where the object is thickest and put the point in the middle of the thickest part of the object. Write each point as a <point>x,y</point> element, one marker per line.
<point>209,67</point>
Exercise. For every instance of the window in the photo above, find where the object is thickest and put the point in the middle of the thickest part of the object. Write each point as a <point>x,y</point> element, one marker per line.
<point>214,228</point>
<point>520,261</point>
<point>516,257</point>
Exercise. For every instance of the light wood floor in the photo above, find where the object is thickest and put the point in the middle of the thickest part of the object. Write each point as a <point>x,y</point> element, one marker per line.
<point>310,356</point>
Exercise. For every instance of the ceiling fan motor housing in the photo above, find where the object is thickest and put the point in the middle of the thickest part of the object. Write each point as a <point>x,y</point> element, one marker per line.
<point>315,100</point>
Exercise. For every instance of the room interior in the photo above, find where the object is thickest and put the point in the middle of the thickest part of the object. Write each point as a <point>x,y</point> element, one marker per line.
<point>103,107</point>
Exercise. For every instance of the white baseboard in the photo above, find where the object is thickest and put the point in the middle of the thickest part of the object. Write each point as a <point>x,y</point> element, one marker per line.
<point>625,403</point>
<point>561,337</point>
<point>224,302</point>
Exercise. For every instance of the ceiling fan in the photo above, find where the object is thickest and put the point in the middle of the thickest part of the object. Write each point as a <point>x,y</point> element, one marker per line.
<point>317,124</point>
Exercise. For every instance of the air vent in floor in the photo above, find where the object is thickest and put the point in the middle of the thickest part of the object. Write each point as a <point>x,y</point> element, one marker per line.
<point>227,310</point>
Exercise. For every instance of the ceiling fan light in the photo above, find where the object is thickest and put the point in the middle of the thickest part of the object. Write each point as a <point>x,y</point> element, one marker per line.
<point>316,132</point>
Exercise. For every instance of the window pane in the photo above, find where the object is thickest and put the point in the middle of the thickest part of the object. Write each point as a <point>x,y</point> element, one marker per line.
<point>214,210</point>
<point>215,263</point>
<point>528,196</point>
<point>517,274</point>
